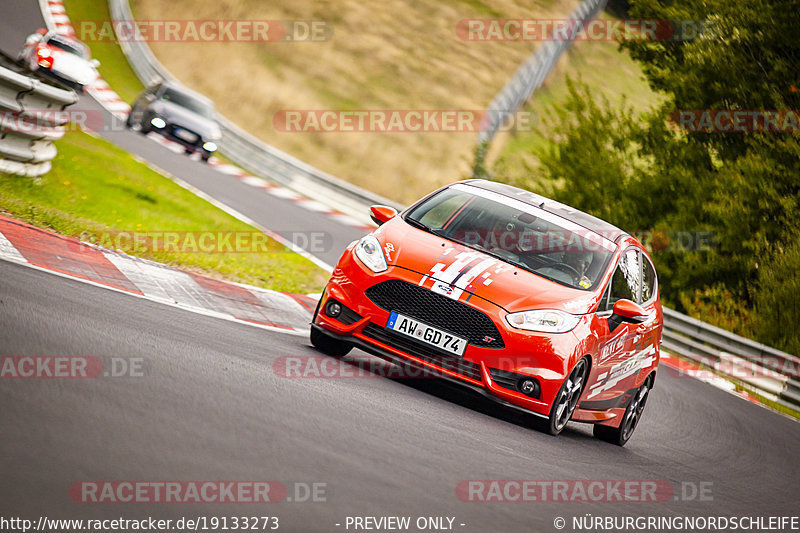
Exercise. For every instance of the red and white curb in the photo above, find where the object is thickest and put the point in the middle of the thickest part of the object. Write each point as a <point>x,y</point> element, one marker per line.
<point>687,368</point>
<point>34,247</point>
<point>287,194</point>
<point>56,19</point>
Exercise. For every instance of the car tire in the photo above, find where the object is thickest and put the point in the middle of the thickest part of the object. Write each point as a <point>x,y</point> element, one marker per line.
<point>633,413</point>
<point>329,345</point>
<point>566,399</point>
<point>205,157</point>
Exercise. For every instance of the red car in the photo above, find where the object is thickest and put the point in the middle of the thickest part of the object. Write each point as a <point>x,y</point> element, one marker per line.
<point>535,304</point>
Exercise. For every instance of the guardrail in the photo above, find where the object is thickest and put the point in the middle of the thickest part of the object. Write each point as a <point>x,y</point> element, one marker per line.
<point>769,371</point>
<point>533,72</point>
<point>245,149</point>
<point>31,121</point>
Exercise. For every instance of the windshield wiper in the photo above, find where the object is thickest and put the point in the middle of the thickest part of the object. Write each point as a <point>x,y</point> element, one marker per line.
<point>419,225</point>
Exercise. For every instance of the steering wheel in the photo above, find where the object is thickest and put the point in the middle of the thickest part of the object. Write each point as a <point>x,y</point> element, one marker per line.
<point>506,254</point>
<point>567,269</point>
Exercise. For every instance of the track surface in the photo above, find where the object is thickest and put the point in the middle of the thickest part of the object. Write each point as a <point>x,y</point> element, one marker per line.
<point>210,407</point>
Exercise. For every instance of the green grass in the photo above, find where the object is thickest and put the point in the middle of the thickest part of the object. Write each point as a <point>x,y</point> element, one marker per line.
<point>96,190</point>
<point>605,69</point>
<point>114,66</point>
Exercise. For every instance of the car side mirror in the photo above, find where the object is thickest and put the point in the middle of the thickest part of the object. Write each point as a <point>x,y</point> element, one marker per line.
<point>626,311</point>
<point>95,63</point>
<point>381,214</point>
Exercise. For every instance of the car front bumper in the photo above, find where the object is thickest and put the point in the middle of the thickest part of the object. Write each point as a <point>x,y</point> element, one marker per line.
<point>495,372</point>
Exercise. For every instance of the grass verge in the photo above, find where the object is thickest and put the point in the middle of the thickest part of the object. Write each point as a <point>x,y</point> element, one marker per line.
<point>114,66</point>
<point>99,193</point>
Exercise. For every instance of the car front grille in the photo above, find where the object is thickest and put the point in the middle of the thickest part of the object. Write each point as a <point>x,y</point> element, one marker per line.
<point>426,352</point>
<point>436,310</point>
<point>185,135</point>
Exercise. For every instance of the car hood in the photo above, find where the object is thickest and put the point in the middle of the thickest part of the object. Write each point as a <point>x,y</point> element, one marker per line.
<point>180,116</point>
<point>73,67</point>
<point>458,271</point>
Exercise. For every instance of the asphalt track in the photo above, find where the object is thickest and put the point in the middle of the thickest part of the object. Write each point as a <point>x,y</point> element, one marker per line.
<point>19,18</point>
<point>211,407</point>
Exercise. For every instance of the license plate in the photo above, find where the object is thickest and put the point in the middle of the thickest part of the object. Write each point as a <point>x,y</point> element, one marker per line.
<point>427,334</point>
<point>187,136</point>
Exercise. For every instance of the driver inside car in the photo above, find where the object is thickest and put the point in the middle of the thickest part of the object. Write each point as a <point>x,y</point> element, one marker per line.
<point>580,261</point>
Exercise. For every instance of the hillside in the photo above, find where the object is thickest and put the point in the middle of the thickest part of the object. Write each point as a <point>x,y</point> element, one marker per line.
<point>388,55</point>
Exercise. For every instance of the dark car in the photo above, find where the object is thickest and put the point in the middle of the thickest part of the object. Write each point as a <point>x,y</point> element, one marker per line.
<point>178,114</point>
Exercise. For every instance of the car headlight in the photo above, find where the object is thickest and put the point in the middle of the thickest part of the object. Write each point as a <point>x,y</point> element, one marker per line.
<point>209,146</point>
<point>158,122</point>
<point>545,320</point>
<point>369,251</point>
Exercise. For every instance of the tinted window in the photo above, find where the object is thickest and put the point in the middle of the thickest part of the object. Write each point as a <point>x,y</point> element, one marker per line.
<point>72,48</point>
<point>648,280</point>
<point>517,233</point>
<point>627,279</point>
<point>439,213</point>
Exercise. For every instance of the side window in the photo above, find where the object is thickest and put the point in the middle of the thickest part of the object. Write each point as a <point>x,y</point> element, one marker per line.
<point>627,279</point>
<point>648,280</point>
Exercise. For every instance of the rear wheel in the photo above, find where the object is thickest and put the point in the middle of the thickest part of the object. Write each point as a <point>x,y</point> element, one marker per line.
<point>567,398</point>
<point>329,345</point>
<point>633,414</point>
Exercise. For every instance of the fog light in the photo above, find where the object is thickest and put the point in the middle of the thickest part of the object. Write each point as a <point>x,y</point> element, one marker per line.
<point>528,387</point>
<point>333,309</point>
<point>158,122</point>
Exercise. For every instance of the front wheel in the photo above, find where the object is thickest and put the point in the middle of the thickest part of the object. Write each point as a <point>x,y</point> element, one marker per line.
<point>329,345</point>
<point>567,398</point>
<point>633,414</point>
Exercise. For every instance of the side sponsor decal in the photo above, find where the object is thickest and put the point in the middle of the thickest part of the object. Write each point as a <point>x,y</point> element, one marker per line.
<point>618,372</point>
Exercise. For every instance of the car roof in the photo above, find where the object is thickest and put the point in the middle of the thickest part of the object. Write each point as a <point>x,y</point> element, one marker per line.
<point>592,223</point>
<point>68,39</point>
<point>182,89</point>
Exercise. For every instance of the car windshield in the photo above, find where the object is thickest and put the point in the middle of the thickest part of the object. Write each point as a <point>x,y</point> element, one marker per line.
<point>516,232</point>
<point>72,48</point>
<point>189,102</point>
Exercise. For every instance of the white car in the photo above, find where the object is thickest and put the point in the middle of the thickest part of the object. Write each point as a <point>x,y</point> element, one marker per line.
<point>61,57</point>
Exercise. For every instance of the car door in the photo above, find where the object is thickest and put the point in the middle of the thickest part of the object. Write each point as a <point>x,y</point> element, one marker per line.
<point>648,334</point>
<point>615,362</point>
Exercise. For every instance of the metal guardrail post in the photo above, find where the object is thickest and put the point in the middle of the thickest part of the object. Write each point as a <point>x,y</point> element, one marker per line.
<point>31,119</point>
